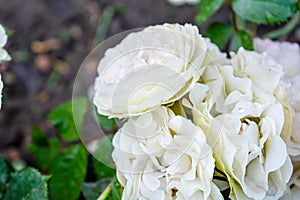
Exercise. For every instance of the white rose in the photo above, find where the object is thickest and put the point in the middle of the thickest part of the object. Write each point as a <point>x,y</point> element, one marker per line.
<point>181,2</point>
<point>3,39</point>
<point>156,66</point>
<point>162,156</point>
<point>243,123</point>
<point>253,158</point>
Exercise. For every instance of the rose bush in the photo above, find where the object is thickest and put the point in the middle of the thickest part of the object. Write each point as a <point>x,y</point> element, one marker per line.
<point>239,109</point>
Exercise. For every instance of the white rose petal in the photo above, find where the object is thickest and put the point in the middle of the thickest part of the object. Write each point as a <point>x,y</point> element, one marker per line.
<point>261,68</point>
<point>3,39</point>
<point>3,56</point>
<point>1,88</point>
<point>3,36</point>
<point>213,55</point>
<point>286,54</point>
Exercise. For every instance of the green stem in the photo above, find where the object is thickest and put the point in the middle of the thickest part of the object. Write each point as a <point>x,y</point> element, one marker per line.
<point>104,22</point>
<point>286,29</point>
<point>106,192</point>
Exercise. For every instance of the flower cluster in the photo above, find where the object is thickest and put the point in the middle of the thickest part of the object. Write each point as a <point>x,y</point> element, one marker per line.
<point>3,55</point>
<point>197,123</point>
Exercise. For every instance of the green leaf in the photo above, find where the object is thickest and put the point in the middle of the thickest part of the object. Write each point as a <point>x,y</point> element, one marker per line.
<point>62,118</point>
<point>103,149</point>
<point>27,184</point>
<point>105,21</point>
<point>92,191</point>
<point>206,9</point>
<point>102,170</point>
<point>104,122</point>
<point>80,107</point>
<point>265,11</point>
<point>3,176</point>
<point>68,172</point>
<point>249,27</point>
<point>38,137</point>
<point>219,33</point>
<point>241,39</point>
<point>54,78</point>
<point>44,151</point>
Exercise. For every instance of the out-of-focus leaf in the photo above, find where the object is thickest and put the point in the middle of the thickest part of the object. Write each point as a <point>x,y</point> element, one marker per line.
<point>206,9</point>
<point>62,118</point>
<point>92,191</point>
<point>104,122</point>
<point>3,176</point>
<point>116,190</point>
<point>102,150</point>
<point>241,39</point>
<point>44,151</point>
<point>21,55</point>
<point>266,11</point>
<point>104,22</point>
<point>18,165</point>
<point>27,184</point>
<point>68,172</point>
<point>102,170</point>
<point>54,78</point>
<point>219,33</point>
<point>249,27</point>
<point>38,137</point>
